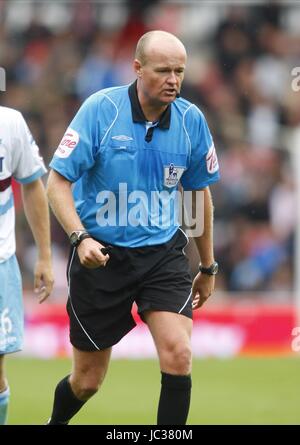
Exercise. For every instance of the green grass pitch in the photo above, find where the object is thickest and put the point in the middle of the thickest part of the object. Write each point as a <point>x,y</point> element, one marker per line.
<point>230,391</point>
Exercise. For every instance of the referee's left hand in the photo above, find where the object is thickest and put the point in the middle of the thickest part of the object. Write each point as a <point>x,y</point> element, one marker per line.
<point>202,288</point>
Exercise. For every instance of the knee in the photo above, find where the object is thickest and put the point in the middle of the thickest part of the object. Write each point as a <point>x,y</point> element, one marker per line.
<point>177,359</point>
<point>84,389</point>
<point>183,359</point>
<point>3,380</point>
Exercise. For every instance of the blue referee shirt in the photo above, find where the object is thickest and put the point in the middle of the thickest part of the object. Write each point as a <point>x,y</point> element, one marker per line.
<point>127,170</point>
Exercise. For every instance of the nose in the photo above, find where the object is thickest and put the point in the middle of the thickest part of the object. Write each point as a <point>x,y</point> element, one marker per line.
<point>172,79</point>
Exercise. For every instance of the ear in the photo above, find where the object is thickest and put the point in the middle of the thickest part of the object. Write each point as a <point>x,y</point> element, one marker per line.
<point>137,66</point>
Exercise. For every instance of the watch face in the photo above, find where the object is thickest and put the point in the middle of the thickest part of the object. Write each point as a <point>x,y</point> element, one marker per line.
<point>73,238</point>
<point>215,268</point>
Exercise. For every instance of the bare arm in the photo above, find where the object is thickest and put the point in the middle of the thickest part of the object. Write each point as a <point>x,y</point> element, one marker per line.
<point>37,214</point>
<point>204,242</point>
<point>203,285</point>
<point>62,204</point>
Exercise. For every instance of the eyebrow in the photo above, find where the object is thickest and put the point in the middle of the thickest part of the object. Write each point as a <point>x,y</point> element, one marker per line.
<point>165,67</point>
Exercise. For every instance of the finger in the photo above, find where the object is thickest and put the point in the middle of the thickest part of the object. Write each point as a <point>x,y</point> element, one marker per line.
<point>44,294</point>
<point>195,300</point>
<point>37,283</point>
<point>90,264</point>
<point>93,263</point>
<point>107,257</point>
<point>99,256</point>
<point>103,260</point>
<point>195,303</point>
<point>48,285</point>
<point>195,292</point>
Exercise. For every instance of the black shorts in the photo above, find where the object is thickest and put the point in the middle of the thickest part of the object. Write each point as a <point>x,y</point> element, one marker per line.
<point>100,300</point>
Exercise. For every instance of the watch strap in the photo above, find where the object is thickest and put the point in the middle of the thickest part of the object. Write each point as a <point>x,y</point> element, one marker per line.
<point>211,270</point>
<point>77,236</point>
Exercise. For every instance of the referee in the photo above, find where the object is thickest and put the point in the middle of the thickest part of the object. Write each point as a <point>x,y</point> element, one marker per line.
<point>126,147</point>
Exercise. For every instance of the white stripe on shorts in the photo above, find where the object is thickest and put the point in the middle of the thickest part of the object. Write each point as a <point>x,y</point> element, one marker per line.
<point>190,294</point>
<point>69,294</point>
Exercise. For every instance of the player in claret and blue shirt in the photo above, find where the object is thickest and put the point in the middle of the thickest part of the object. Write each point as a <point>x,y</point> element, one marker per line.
<point>19,159</point>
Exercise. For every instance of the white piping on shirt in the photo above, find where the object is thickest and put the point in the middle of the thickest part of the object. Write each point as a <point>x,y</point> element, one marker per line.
<point>184,127</point>
<point>113,122</point>
<point>187,240</point>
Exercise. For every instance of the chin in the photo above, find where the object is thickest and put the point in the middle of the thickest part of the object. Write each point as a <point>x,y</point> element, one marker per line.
<point>168,100</point>
<point>163,101</point>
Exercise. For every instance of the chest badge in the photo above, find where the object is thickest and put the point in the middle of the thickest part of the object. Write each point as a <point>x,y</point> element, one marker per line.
<point>172,175</point>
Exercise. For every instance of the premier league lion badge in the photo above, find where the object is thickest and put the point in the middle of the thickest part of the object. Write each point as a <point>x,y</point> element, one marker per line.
<point>172,175</point>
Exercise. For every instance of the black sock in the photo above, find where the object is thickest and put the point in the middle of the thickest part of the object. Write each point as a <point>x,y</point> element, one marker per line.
<point>65,405</point>
<point>174,402</point>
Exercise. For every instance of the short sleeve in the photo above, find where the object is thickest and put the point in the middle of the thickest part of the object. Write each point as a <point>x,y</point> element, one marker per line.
<point>76,151</point>
<point>203,166</point>
<point>27,163</point>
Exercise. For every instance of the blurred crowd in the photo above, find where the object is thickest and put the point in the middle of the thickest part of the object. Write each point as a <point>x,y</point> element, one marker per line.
<point>240,75</point>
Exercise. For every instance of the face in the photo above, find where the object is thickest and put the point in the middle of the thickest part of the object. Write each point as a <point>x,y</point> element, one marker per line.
<point>161,76</point>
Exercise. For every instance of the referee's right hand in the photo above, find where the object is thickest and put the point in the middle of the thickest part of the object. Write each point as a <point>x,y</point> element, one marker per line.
<point>90,255</point>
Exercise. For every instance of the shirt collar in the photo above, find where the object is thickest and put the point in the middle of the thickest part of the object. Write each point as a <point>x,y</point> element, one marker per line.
<point>137,112</point>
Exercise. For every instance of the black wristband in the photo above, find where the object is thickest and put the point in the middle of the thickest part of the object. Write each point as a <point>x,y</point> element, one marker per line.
<point>211,270</point>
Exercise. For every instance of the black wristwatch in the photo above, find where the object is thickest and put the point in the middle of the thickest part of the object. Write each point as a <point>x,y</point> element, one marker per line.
<point>211,270</point>
<point>77,236</point>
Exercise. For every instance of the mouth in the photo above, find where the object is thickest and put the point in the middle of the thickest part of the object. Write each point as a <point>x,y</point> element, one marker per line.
<point>170,92</point>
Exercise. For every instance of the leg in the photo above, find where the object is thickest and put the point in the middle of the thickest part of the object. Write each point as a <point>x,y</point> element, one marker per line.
<point>11,323</point>
<point>4,393</point>
<point>88,373</point>
<point>89,370</point>
<point>171,333</point>
<point>3,382</point>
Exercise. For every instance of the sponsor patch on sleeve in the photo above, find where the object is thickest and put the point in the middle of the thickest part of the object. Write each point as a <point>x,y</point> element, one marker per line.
<point>67,144</point>
<point>212,160</point>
